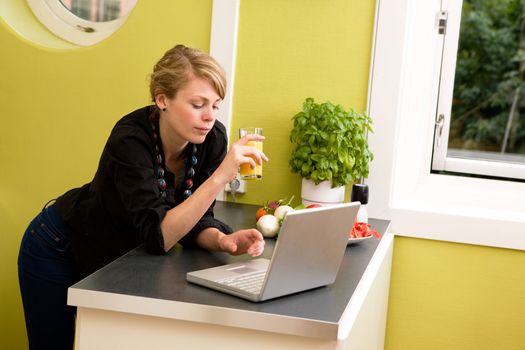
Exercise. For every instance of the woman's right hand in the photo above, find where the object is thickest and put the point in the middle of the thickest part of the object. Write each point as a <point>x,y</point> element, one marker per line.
<point>248,241</point>
<point>240,153</point>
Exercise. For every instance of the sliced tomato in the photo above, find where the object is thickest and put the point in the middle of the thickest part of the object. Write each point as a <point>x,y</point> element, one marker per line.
<point>362,229</point>
<point>375,233</point>
<point>313,206</point>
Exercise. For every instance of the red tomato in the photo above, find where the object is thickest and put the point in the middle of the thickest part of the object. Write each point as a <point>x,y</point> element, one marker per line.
<point>313,206</point>
<point>260,212</point>
<point>362,229</point>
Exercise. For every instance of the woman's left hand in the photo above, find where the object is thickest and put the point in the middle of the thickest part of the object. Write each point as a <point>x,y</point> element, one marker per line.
<point>248,241</point>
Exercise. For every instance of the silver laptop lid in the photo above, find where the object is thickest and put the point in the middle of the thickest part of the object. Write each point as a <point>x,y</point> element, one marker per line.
<point>309,249</point>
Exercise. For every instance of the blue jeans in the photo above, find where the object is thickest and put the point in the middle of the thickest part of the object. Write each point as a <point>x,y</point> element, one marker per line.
<point>46,268</point>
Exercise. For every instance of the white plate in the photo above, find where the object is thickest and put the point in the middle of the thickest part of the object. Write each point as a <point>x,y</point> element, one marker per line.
<point>357,240</point>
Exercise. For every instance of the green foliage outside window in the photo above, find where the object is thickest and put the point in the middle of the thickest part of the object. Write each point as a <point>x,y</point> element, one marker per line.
<point>489,93</point>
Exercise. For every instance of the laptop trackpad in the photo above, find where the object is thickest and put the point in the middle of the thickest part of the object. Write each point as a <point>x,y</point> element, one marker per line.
<point>242,269</point>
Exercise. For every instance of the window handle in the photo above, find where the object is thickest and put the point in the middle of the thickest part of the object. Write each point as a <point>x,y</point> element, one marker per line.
<point>440,122</point>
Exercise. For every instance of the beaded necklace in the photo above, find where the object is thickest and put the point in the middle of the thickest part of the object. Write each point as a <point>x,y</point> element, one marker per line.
<point>189,163</point>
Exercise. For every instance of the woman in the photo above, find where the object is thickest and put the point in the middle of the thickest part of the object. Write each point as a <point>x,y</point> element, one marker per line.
<point>157,179</point>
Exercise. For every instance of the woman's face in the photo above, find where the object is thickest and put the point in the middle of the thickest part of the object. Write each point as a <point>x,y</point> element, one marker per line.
<point>191,114</point>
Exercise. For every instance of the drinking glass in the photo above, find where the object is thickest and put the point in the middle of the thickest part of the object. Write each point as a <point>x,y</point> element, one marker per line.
<point>246,171</point>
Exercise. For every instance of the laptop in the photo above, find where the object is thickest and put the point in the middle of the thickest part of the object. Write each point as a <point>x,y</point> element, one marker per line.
<point>308,253</point>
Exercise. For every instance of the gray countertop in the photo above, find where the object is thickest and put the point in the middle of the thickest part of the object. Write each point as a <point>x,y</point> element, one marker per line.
<point>164,277</point>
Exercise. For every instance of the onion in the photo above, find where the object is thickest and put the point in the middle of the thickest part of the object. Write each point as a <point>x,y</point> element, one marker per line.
<point>281,211</point>
<point>268,225</point>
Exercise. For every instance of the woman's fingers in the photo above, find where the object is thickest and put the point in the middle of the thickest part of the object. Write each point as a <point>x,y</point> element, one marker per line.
<point>254,151</point>
<point>256,249</point>
<point>250,154</point>
<point>250,137</point>
<point>256,246</point>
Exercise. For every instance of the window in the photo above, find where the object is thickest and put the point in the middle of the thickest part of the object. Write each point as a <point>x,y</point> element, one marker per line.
<point>480,118</point>
<point>405,77</point>
<point>82,22</point>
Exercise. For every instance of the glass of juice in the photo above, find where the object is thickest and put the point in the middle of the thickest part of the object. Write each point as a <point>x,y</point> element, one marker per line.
<point>246,171</point>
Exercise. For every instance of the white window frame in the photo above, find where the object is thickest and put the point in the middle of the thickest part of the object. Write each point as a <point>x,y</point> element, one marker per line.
<point>442,160</point>
<point>223,47</point>
<point>64,24</point>
<point>402,101</point>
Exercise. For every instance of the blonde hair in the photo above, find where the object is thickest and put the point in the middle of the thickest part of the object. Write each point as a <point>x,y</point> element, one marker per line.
<point>179,65</point>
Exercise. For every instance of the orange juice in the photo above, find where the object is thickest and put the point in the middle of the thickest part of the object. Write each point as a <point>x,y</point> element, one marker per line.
<point>246,171</point>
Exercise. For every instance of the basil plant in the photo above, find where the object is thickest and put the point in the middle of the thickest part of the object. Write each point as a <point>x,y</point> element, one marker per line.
<point>330,144</point>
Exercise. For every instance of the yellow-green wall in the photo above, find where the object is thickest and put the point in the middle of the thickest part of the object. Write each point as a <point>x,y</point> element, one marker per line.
<point>58,105</point>
<point>57,108</point>
<point>290,50</point>
<point>455,296</point>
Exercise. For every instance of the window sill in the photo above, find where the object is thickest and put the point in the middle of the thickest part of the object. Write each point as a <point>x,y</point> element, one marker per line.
<point>465,210</point>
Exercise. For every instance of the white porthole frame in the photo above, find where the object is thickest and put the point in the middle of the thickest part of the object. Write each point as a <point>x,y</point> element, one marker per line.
<point>64,24</point>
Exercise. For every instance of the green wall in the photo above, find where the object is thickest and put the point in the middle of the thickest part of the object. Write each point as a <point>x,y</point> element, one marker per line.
<point>57,109</point>
<point>455,296</point>
<point>58,105</point>
<point>290,50</point>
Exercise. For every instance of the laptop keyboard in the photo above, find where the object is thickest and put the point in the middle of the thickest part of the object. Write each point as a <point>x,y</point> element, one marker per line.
<point>251,283</point>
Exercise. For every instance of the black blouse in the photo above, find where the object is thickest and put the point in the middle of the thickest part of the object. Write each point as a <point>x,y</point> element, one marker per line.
<point>123,206</point>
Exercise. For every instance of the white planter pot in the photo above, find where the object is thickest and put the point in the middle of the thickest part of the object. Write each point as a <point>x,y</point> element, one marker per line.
<point>322,194</point>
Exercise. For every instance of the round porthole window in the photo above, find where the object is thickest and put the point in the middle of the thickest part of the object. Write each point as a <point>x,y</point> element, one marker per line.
<point>82,22</point>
